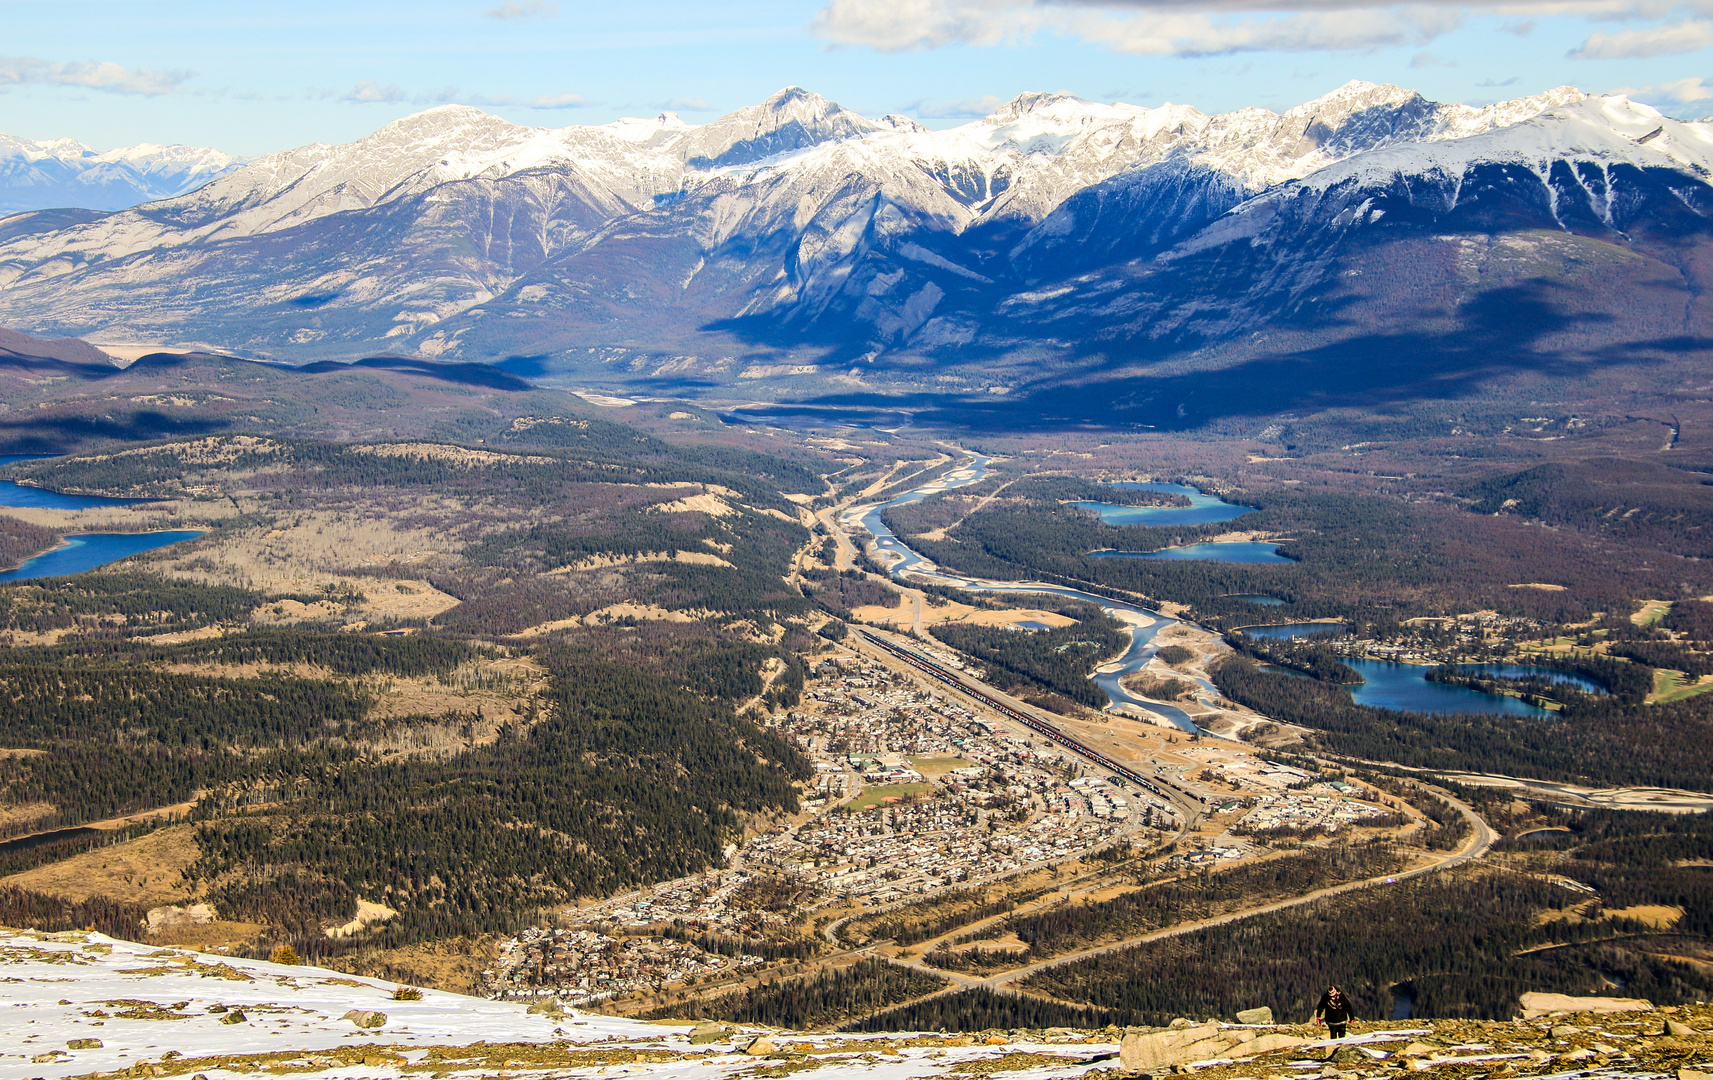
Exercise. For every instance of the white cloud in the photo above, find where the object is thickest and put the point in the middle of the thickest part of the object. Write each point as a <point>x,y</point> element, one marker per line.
<point>969,109</point>
<point>541,101</point>
<point>1679,91</point>
<point>687,104</point>
<point>368,91</point>
<point>91,75</point>
<point>1214,27</point>
<point>1681,37</point>
<point>1165,28</point>
<point>529,9</point>
<point>556,101</point>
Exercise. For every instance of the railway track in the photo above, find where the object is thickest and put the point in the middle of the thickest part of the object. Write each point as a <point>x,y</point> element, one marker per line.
<point>1159,788</point>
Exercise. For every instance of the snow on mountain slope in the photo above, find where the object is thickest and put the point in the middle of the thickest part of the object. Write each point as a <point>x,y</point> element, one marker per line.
<point>64,172</point>
<point>460,234</point>
<point>1597,134</point>
<point>79,1004</point>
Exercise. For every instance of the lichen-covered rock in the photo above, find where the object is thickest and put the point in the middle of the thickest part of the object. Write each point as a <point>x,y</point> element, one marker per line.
<point>705,1033</point>
<point>1146,1051</point>
<point>83,1044</point>
<point>1540,1004</point>
<point>366,1018</point>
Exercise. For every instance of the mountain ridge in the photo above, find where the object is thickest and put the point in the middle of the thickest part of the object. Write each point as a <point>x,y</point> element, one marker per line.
<point>54,173</point>
<point>795,235</point>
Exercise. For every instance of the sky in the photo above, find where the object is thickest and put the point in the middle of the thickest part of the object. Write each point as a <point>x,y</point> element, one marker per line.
<point>249,78</point>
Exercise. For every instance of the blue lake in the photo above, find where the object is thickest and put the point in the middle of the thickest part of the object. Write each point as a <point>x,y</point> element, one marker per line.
<point>1203,509</point>
<point>13,493</point>
<point>86,552</point>
<point>1388,685</point>
<point>1280,631</point>
<point>1245,551</point>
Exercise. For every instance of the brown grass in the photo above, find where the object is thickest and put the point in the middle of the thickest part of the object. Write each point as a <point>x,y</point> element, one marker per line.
<point>142,871</point>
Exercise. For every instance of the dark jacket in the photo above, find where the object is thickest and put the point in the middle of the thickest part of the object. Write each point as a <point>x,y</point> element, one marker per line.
<point>1334,1014</point>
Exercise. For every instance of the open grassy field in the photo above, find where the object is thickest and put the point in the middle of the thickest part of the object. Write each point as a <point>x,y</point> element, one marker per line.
<point>881,793</point>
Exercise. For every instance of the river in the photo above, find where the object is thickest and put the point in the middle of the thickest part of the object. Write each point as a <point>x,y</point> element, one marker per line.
<point>1144,623</point>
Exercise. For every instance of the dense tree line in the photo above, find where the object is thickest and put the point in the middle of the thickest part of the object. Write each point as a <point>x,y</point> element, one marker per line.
<point>936,915</point>
<point>1308,655</point>
<point>607,454</point>
<point>1073,926</point>
<point>1453,940</point>
<point>53,914</point>
<point>1631,501</point>
<point>825,999</point>
<point>1359,557</point>
<point>840,592</point>
<point>1059,658</point>
<point>982,1009</point>
<point>105,604</point>
<point>340,653</point>
<point>1595,739</point>
<point>628,779</point>
<point>19,540</point>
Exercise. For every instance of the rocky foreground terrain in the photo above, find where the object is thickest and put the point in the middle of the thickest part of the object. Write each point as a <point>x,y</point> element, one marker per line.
<point>83,1004</point>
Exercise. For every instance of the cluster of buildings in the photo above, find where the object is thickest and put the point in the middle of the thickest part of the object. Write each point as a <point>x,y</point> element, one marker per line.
<point>912,793</point>
<point>582,967</point>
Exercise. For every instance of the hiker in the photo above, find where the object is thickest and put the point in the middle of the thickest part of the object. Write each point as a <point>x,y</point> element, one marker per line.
<point>1334,1008</point>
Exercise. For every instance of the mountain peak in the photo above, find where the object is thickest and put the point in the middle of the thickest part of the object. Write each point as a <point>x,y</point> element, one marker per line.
<point>1031,101</point>
<point>1355,96</point>
<point>792,119</point>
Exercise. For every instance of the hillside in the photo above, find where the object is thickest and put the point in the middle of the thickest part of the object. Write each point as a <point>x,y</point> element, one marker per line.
<point>81,1003</point>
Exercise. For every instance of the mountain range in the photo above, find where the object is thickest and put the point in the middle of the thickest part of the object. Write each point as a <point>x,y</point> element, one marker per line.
<point>1367,246</point>
<point>65,173</point>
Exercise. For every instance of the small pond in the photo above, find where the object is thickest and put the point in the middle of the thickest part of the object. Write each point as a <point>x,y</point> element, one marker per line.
<point>1246,551</point>
<point>1203,509</point>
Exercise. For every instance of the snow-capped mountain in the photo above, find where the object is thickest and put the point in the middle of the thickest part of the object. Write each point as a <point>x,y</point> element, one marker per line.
<point>799,229</point>
<point>66,173</point>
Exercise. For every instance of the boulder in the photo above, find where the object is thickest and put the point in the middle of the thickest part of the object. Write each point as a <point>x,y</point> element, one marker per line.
<point>760,1045</point>
<point>705,1033</point>
<point>366,1018</point>
<point>1679,1029</point>
<point>1261,1015</point>
<point>1151,1051</point>
<point>1347,1055</point>
<point>83,1044</point>
<point>236,1016</point>
<point>1693,1074</point>
<point>1266,1044</point>
<point>1539,1004</point>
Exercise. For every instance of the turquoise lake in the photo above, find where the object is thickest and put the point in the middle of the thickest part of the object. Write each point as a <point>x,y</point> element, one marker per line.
<point>1244,551</point>
<point>1388,685</point>
<point>86,552</point>
<point>1203,509</point>
<point>13,493</point>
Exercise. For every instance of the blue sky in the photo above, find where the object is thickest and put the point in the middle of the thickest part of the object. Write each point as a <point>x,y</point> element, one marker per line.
<point>250,77</point>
